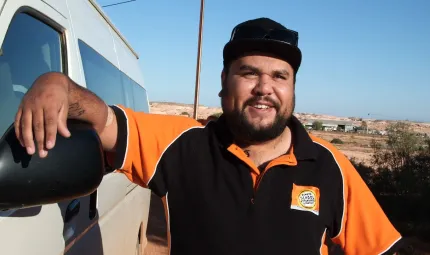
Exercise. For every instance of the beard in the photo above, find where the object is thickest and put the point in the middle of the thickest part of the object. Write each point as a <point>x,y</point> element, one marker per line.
<point>244,131</point>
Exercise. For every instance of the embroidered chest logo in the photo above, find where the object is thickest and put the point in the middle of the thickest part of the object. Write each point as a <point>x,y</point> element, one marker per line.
<point>305,198</point>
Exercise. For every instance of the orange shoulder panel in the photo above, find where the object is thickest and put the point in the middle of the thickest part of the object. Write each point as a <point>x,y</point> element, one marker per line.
<point>149,135</point>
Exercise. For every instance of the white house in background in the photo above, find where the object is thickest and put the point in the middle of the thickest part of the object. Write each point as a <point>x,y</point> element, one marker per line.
<point>331,125</point>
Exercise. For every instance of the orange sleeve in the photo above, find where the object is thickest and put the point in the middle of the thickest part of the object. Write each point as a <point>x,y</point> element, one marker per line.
<point>142,139</point>
<point>364,227</point>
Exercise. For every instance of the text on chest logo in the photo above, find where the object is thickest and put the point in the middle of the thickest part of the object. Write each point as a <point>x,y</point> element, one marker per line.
<point>305,198</point>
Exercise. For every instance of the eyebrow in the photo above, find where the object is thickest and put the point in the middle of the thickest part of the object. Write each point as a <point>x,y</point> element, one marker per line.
<point>282,71</point>
<point>249,68</point>
<point>255,69</point>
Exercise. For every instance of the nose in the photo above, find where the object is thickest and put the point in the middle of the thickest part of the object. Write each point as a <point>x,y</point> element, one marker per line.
<point>264,86</point>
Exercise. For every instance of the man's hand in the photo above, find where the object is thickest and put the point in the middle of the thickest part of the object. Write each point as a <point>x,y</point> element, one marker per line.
<point>43,111</point>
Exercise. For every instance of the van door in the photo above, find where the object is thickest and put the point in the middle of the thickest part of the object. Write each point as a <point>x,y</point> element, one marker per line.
<point>121,211</point>
<point>33,41</point>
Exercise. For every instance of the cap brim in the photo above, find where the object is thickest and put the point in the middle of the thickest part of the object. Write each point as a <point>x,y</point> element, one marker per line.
<point>238,48</point>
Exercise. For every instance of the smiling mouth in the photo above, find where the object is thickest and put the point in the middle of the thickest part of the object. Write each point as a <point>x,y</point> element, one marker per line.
<point>261,106</point>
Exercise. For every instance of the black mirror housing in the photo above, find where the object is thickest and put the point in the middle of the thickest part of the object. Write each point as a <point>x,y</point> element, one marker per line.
<point>73,168</point>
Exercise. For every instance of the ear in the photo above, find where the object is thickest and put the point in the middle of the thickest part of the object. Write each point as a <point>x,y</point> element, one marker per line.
<point>223,75</point>
<point>223,81</point>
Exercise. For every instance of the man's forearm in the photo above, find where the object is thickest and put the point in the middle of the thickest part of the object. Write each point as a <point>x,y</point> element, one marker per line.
<point>86,106</point>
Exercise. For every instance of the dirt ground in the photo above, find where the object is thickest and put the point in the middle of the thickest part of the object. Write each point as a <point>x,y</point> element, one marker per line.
<point>357,146</point>
<point>157,229</point>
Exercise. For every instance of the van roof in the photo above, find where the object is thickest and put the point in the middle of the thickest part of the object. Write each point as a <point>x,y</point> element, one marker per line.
<point>106,18</point>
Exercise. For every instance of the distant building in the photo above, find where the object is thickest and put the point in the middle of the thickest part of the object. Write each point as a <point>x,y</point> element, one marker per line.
<point>331,125</point>
<point>383,132</point>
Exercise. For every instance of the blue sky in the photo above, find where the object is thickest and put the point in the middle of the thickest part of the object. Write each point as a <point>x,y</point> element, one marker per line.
<point>359,57</point>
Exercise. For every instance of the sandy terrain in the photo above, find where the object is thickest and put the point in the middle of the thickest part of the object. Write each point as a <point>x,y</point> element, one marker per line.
<point>157,229</point>
<point>357,146</point>
<point>204,112</point>
<point>182,109</point>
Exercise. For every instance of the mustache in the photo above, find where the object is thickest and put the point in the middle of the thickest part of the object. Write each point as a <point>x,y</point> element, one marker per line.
<point>254,100</point>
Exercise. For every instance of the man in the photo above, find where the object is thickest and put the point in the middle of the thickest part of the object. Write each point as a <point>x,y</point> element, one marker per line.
<point>252,182</point>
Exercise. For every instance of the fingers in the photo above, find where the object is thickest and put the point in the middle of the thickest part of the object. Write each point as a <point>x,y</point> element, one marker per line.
<point>39,125</point>
<point>39,131</point>
<point>27,131</point>
<point>50,122</point>
<point>38,117</point>
<point>17,126</point>
<point>62,121</point>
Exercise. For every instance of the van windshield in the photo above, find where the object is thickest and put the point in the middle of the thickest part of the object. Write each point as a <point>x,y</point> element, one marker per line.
<point>30,49</point>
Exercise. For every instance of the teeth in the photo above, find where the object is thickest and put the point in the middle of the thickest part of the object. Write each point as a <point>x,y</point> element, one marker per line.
<point>261,106</point>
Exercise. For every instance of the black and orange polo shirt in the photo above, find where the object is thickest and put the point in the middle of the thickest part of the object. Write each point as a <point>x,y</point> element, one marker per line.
<point>218,201</point>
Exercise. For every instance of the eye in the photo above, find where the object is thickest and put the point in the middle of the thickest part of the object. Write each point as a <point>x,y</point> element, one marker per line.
<point>280,76</point>
<point>249,73</point>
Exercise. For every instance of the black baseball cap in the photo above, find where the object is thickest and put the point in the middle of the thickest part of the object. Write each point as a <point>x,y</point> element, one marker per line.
<point>263,35</point>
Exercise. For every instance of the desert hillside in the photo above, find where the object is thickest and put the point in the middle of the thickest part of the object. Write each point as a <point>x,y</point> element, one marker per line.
<point>204,112</point>
<point>357,146</point>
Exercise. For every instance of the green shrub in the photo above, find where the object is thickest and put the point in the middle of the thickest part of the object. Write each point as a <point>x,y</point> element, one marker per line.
<point>398,176</point>
<point>337,141</point>
<point>317,125</point>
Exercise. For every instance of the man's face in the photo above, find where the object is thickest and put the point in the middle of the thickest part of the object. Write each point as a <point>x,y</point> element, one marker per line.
<point>258,97</point>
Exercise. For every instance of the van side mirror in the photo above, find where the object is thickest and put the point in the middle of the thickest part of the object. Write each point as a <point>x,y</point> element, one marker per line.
<point>73,168</point>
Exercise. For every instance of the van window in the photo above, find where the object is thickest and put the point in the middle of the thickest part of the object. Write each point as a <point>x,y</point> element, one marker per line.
<point>128,88</point>
<point>140,98</point>
<point>101,76</point>
<point>30,48</point>
<point>110,83</point>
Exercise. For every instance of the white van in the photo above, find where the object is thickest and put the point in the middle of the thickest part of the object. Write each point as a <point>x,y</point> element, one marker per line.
<point>74,37</point>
